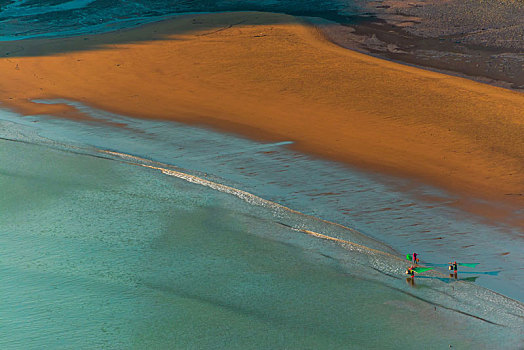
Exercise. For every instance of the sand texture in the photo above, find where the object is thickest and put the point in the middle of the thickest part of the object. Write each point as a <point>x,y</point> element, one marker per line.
<point>488,23</point>
<point>272,77</point>
<point>480,40</point>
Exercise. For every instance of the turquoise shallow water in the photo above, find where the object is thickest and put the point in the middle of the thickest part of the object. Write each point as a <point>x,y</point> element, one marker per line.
<point>392,210</point>
<point>98,251</point>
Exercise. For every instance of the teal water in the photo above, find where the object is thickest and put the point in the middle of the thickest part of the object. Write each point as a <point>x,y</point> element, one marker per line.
<point>98,251</point>
<point>390,210</point>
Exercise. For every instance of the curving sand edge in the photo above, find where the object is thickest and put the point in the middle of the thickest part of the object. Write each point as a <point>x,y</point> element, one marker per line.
<point>271,76</point>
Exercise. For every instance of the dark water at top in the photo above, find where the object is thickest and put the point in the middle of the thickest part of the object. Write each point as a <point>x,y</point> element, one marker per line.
<point>21,19</point>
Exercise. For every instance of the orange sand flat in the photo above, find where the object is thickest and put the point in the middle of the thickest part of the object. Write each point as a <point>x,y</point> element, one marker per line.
<point>272,77</point>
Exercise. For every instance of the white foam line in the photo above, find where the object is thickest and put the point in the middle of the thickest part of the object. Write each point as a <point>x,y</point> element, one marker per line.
<point>283,143</point>
<point>246,196</point>
<point>251,199</point>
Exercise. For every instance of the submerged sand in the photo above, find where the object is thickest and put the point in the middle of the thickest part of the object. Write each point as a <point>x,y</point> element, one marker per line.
<point>271,76</point>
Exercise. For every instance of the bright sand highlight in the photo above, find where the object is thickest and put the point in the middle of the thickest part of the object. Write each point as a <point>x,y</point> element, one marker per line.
<point>272,77</point>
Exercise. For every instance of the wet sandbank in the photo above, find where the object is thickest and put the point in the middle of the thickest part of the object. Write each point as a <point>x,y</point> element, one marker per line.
<point>271,76</point>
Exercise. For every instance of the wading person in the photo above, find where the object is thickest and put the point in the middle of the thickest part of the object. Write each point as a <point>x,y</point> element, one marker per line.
<point>410,271</point>
<point>453,269</point>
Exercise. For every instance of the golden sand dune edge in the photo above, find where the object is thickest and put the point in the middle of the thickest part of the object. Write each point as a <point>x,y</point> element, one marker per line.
<point>271,76</point>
